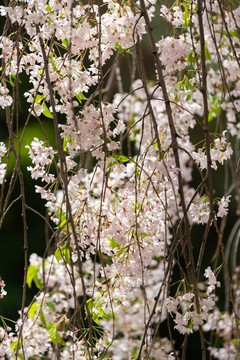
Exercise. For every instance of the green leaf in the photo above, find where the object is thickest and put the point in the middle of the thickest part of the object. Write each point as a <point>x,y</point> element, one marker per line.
<point>110,164</point>
<point>31,274</point>
<point>207,53</point>
<point>134,352</point>
<point>102,313</point>
<point>55,69</point>
<point>80,97</point>
<point>63,221</point>
<point>113,243</point>
<point>67,256</point>
<point>181,84</point>
<point>58,338</point>
<point>33,309</point>
<point>95,318</point>
<point>46,111</point>
<point>119,252</point>
<point>235,341</point>
<point>13,345</point>
<point>88,307</point>
<point>37,282</point>
<point>120,158</point>
<point>205,198</point>
<point>138,173</point>
<point>188,85</point>
<point>12,79</point>
<point>65,42</point>
<point>54,334</point>
<point>234,33</point>
<point>64,143</point>
<point>136,206</point>
<point>190,325</point>
<point>49,326</point>
<point>186,18</point>
<point>42,318</point>
<point>90,303</point>
<point>185,83</point>
<point>122,50</point>
<point>51,305</point>
<point>38,99</point>
<point>63,250</point>
<point>58,254</point>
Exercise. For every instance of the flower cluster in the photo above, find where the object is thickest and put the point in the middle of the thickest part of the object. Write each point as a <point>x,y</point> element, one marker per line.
<point>188,317</point>
<point>41,156</point>
<point>224,326</point>
<point>3,151</point>
<point>173,52</point>
<point>5,98</point>
<point>174,15</point>
<point>2,285</point>
<point>220,150</point>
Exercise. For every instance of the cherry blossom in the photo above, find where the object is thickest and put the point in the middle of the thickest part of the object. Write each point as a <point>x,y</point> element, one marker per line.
<point>125,183</point>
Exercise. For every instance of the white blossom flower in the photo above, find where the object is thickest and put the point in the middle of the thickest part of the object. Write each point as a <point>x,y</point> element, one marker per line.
<point>223,206</point>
